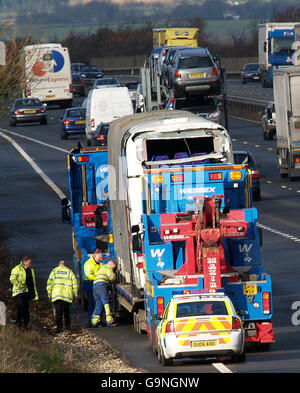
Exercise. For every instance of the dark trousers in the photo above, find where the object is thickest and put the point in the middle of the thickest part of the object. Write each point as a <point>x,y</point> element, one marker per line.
<point>88,288</point>
<point>62,309</point>
<point>22,304</point>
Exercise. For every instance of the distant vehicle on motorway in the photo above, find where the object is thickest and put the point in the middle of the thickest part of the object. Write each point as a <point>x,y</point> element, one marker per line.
<point>250,72</point>
<point>105,105</point>
<point>73,122</point>
<point>245,157</point>
<point>91,72</point>
<point>106,82</point>
<point>48,74</point>
<point>77,67</point>
<point>269,121</point>
<point>27,110</point>
<point>78,85</point>
<point>132,86</point>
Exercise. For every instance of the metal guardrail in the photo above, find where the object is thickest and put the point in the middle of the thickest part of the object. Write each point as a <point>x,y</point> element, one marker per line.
<point>136,70</point>
<point>242,105</point>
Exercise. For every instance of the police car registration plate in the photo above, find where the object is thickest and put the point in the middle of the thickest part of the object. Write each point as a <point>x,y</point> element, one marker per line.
<point>206,343</point>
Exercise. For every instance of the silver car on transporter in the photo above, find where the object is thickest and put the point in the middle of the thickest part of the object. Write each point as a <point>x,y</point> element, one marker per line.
<point>193,71</point>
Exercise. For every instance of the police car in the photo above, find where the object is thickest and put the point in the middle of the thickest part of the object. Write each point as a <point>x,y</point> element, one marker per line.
<point>200,325</point>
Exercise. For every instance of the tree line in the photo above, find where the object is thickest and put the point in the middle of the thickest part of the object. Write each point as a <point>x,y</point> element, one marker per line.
<point>129,41</point>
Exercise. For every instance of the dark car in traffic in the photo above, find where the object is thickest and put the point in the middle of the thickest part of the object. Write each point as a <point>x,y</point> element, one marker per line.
<point>204,106</point>
<point>73,122</point>
<point>243,157</point>
<point>91,72</point>
<point>27,110</point>
<point>78,85</point>
<point>250,72</point>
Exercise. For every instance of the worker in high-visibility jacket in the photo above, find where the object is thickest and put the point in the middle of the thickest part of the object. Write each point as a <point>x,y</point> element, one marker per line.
<point>101,288</point>
<point>91,267</point>
<point>62,289</point>
<point>24,289</point>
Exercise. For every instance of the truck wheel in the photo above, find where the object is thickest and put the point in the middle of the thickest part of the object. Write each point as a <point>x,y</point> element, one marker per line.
<point>257,195</point>
<point>153,337</point>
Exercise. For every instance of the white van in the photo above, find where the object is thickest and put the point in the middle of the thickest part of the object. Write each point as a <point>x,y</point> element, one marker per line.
<point>105,105</point>
<point>48,74</point>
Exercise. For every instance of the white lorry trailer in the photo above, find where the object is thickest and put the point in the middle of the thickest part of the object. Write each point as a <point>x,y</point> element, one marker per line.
<point>287,104</point>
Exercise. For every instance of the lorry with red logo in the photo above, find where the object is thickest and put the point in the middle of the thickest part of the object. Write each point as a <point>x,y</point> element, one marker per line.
<point>166,199</point>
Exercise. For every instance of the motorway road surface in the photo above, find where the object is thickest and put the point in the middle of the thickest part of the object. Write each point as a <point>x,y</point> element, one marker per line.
<point>30,222</point>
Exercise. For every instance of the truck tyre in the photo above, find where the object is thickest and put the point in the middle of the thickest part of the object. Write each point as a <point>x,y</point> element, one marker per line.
<point>153,337</point>
<point>257,195</point>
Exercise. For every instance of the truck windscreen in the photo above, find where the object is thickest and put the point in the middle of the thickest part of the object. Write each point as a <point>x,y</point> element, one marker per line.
<point>282,46</point>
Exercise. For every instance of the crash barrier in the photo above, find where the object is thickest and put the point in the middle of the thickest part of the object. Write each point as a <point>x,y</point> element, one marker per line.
<point>241,106</point>
<point>2,314</point>
<point>136,71</point>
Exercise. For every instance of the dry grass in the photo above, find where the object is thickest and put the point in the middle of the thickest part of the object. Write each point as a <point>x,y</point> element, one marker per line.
<point>22,352</point>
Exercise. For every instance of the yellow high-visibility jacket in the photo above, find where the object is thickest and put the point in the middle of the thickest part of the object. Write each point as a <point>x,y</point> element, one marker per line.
<point>91,268</point>
<point>105,274</point>
<point>18,279</point>
<point>62,284</point>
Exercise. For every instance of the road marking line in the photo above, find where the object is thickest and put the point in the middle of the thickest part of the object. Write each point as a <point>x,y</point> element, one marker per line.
<point>38,170</point>
<point>286,235</point>
<point>34,140</point>
<point>222,368</point>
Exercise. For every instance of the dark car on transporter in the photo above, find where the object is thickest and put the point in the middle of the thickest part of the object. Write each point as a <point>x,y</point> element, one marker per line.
<point>27,110</point>
<point>73,122</point>
<point>202,105</point>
